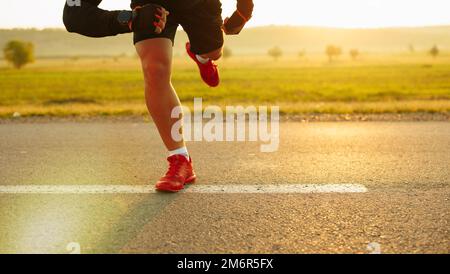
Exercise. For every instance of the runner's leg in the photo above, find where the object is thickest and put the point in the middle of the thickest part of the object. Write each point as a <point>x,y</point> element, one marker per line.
<point>161,98</point>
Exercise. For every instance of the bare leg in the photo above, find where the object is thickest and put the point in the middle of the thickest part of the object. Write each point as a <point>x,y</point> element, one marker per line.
<point>161,98</point>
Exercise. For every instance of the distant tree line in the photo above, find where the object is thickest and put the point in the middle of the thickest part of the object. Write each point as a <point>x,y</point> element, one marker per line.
<point>20,53</point>
<point>333,52</point>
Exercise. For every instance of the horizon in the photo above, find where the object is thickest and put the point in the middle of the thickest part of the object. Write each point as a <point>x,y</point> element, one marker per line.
<point>345,14</point>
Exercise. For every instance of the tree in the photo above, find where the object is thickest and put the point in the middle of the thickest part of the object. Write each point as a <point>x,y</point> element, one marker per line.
<point>354,53</point>
<point>227,53</point>
<point>333,51</point>
<point>301,53</point>
<point>434,51</point>
<point>19,53</point>
<point>275,53</point>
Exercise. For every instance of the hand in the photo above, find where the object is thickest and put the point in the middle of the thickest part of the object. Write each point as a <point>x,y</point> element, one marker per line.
<point>149,16</point>
<point>233,25</point>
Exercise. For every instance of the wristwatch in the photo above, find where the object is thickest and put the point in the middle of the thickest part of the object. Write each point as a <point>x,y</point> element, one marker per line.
<point>124,17</point>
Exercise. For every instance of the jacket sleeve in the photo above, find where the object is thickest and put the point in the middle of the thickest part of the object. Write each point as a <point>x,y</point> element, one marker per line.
<point>89,20</point>
<point>245,7</point>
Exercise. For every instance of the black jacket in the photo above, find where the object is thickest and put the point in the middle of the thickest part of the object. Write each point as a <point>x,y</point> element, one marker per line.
<point>89,20</point>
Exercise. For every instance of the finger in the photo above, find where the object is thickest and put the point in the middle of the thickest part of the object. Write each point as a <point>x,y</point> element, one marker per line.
<point>224,29</point>
<point>161,18</point>
<point>158,27</point>
<point>160,24</point>
<point>162,11</point>
<point>164,16</point>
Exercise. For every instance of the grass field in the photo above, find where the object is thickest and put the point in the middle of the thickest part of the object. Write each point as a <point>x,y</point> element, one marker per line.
<point>373,84</point>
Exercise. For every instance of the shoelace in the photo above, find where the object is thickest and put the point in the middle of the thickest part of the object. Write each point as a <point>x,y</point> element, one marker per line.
<point>174,168</point>
<point>212,69</point>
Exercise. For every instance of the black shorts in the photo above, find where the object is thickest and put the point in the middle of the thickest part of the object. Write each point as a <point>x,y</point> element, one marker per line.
<point>202,23</point>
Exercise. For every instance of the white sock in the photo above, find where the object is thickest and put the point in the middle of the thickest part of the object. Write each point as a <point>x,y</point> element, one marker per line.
<point>201,59</point>
<point>181,151</point>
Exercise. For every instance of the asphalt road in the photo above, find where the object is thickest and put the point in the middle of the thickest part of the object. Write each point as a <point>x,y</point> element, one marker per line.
<point>405,167</point>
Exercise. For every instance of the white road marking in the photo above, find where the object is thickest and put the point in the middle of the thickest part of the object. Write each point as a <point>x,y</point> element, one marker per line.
<point>209,189</point>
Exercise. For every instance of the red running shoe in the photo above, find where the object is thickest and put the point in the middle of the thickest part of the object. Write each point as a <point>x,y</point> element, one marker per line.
<point>208,71</point>
<point>180,173</point>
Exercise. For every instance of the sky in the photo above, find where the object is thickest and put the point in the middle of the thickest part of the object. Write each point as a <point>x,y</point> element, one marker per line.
<point>330,13</point>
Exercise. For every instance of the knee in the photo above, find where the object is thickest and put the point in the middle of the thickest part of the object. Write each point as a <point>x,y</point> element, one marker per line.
<point>214,55</point>
<point>156,73</point>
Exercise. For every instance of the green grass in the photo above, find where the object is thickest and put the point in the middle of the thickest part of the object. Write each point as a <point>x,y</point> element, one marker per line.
<point>107,87</point>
